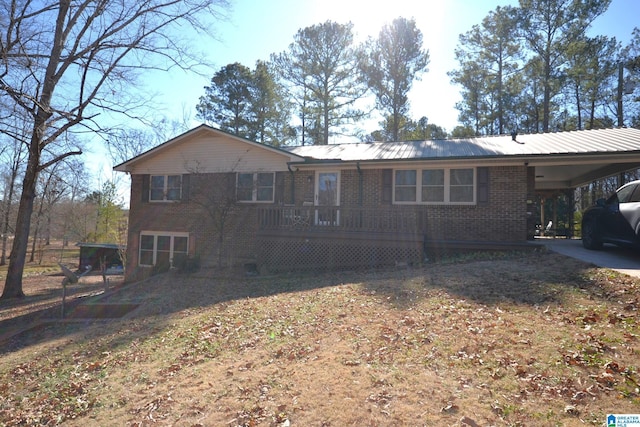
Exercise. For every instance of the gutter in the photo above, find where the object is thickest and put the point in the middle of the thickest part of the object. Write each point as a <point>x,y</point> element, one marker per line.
<point>360,184</point>
<point>293,183</point>
<point>533,159</point>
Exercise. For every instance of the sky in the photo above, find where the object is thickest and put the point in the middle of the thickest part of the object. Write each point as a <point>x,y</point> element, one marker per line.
<point>256,29</point>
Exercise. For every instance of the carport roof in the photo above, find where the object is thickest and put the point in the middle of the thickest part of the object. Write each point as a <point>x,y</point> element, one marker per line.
<point>562,159</point>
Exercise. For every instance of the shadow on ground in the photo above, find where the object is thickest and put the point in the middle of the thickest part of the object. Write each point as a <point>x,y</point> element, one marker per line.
<point>538,278</point>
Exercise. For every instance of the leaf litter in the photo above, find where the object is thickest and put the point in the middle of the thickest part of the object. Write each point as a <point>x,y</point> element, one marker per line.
<point>523,339</point>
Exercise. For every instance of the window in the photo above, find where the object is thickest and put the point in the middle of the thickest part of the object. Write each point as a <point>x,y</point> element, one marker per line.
<point>405,186</point>
<point>437,186</point>
<point>433,185</point>
<point>636,195</point>
<point>165,187</point>
<point>461,186</point>
<point>162,248</point>
<point>255,187</point>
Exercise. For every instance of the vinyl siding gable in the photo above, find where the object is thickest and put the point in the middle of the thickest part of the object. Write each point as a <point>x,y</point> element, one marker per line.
<point>212,155</point>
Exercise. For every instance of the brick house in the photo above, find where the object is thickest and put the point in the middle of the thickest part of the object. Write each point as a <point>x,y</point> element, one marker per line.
<point>229,201</point>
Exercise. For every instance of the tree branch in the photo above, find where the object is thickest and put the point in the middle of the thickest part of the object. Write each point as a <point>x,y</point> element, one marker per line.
<point>58,158</point>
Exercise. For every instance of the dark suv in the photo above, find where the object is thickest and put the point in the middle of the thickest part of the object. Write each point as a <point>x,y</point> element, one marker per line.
<point>614,220</point>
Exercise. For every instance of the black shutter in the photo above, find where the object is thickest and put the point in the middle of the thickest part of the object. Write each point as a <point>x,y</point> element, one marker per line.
<point>231,180</point>
<point>387,186</point>
<point>482,196</point>
<point>186,185</point>
<point>278,196</point>
<point>145,188</point>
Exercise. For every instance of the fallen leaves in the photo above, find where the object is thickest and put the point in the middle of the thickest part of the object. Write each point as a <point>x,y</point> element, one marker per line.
<point>513,340</point>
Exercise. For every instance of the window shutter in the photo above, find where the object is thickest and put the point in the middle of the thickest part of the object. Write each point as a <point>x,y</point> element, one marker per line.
<point>278,196</point>
<point>387,186</point>
<point>145,188</point>
<point>231,179</point>
<point>186,187</point>
<point>482,196</point>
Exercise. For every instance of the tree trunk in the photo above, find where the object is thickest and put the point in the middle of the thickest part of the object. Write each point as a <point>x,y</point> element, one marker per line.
<point>396,125</point>
<point>36,230</point>
<point>546,102</point>
<point>47,239</point>
<point>325,137</point>
<point>500,97</point>
<point>619,95</point>
<point>7,212</point>
<point>577,93</point>
<point>13,282</point>
<point>32,257</point>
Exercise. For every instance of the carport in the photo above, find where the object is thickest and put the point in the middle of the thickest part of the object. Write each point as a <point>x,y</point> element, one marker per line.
<point>564,161</point>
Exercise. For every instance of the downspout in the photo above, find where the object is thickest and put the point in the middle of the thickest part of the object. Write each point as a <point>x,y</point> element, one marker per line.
<point>360,198</point>
<point>293,184</point>
<point>360,184</point>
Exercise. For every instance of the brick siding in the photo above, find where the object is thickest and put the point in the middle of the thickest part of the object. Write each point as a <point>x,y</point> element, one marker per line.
<point>504,218</point>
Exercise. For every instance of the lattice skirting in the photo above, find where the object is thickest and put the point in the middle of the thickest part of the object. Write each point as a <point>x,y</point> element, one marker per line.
<point>279,253</point>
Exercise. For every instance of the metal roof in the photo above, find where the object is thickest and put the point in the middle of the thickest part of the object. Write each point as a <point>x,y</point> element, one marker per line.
<point>599,141</point>
<point>100,245</point>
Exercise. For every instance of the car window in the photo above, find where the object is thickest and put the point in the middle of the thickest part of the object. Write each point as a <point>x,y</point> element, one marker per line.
<point>624,194</point>
<point>635,197</point>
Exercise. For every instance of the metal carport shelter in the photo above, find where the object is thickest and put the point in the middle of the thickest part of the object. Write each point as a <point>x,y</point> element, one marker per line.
<point>578,158</point>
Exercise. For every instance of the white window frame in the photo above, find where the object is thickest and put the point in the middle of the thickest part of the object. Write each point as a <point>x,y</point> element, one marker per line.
<point>447,187</point>
<point>155,235</point>
<point>256,188</point>
<point>165,189</point>
<point>417,178</point>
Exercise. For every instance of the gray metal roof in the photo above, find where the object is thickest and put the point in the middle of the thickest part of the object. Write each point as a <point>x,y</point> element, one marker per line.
<point>600,141</point>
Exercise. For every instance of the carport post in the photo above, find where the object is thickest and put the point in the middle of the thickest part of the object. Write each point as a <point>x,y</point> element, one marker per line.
<point>542,224</point>
<point>555,216</point>
<point>571,195</point>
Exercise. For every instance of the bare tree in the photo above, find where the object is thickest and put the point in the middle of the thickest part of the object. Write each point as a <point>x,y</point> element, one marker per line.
<point>64,62</point>
<point>70,210</point>
<point>13,158</point>
<point>215,194</point>
<point>51,189</point>
<point>126,143</point>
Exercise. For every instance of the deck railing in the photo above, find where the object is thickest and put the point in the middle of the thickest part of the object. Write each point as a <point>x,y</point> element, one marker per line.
<point>338,218</point>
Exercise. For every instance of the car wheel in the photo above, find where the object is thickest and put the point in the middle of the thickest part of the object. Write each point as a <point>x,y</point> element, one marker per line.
<point>590,238</point>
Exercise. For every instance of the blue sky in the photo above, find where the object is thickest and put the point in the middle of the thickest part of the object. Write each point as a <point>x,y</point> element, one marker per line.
<point>256,29</point>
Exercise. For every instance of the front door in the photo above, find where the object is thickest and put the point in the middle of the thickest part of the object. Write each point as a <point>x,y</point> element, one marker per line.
<point>327,198</point>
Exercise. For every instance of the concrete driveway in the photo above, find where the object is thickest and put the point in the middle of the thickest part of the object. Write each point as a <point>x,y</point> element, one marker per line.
<point>624,260</point>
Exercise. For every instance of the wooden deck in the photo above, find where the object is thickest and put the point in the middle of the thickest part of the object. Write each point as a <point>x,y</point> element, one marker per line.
<point>333,218</point>
<point>311,237</point>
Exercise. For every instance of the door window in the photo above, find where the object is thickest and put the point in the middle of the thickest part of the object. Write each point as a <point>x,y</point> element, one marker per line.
<point>327,198</point>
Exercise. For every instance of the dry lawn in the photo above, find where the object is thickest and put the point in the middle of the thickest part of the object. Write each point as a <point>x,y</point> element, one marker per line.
<point>533,339</point>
